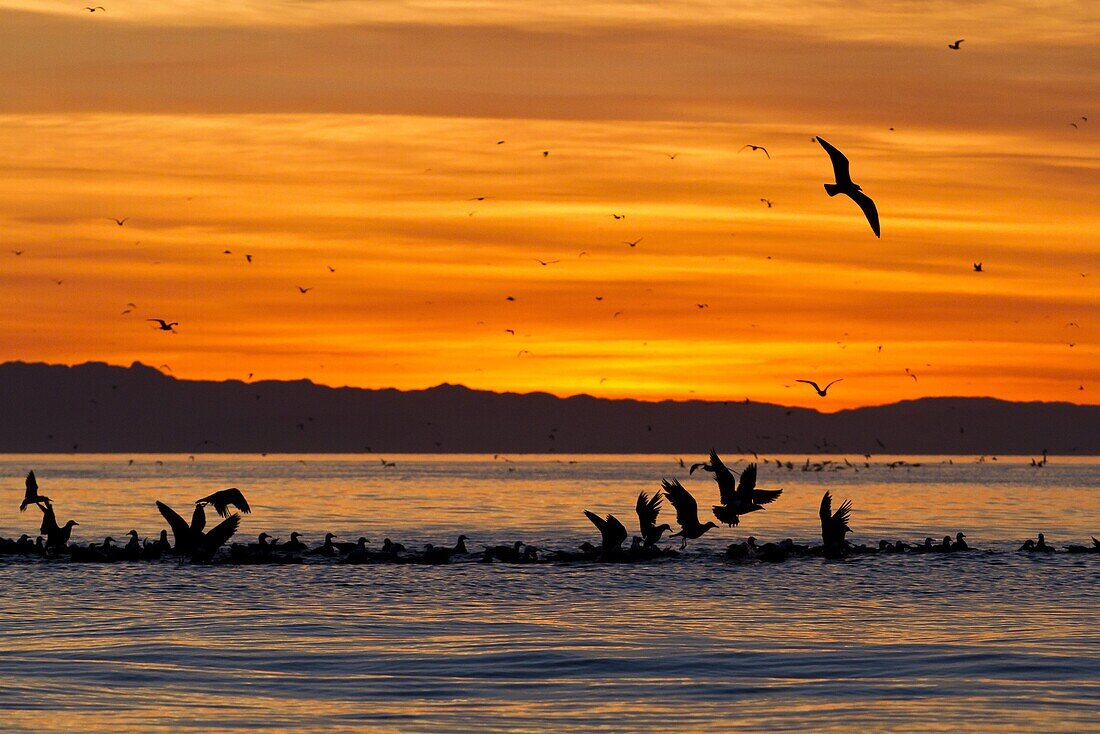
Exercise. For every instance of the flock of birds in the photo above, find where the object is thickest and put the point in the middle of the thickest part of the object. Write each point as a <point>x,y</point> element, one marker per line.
<point>737,496</point>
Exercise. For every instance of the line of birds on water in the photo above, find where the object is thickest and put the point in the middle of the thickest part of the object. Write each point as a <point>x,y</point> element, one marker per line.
<point>738,496</point>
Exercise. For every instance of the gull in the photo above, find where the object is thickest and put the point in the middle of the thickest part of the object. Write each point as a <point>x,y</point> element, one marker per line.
<point>612,532</point>
<point>768,202</point>
<point>119,222</point>
<point>544,263</point>
<point>509,298</point>
<point>32,497</point>
<point>599,298</point>
<point>97,7</point>
<point>227,252</point>
<point>672,156</point>
<point>702,305</point>
<point>59,282</point>
<point>303,291</point>
<point>756,148</point>
<point>619,216</point>
<point>834,526</point>
<point>955,46</point>
<point>634,243</point>
<point>17,253</point>
<point>331,269</point>
<point>223,499</point>
<point>911,374</point>
<point>165,325</point>
<point>648,508</point>
<point>844,185</point>
<point>477,198</point>
<point>687,512</point>
<point>821,391</point>
<point>977,267</point>
<point>248,258</point>
<point>510,331</point>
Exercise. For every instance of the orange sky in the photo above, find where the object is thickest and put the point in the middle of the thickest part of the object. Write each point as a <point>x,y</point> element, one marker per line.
<point>353,135</point>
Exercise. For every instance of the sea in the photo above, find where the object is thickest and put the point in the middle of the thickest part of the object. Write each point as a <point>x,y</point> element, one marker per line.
<point>988,640</point>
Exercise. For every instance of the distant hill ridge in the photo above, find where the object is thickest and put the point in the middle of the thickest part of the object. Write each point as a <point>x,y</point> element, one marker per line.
<point>96,407</point>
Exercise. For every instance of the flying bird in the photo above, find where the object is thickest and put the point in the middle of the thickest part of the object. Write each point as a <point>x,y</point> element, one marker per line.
<point>619,216</point>
<point>955,46</point>
<point>768,202</point>
<point>97,7</point>
<point>687,512</point>
<point>672,156</point>
<point>822,391</point>
<point>544,263</point>
<point>739,500</point>
<point>165,325</point>
<point>32,497</point>
<point>248,258</point>
<point>634,243</point>
<point>844,185</point>
<point>756,148</point>
<point>648,508</point>
<point>977,267</point>
<point>303,291</point>
<point>223,499</point>
<point>119,222</point>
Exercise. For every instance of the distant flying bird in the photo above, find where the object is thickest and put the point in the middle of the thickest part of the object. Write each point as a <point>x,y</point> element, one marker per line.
<point>97,7</point>
<point>821,391</point>
<point>510,331</point>
<point>509,298</point>
<point>223,499</point>
<point>634,243</point>
<point>477,198</point>
<point>955,46</point>
<point>612,532</point>
<point>648,508</point>
<point>687,512</point>
<point>119,222</point>
<point>756,148</point>
<point>303,291</point>
<point>619,216</point>
<point>32,497</point>
<point>545,153</point>
<point>248,258</point>
<point>768,202</point>
<point>844,185</point>
<point>599,298</point>
<point>227,252</point>
<point>672,156</point>
<point>911,374</point>
<point>1074,126</point>
<point>331,269</point>
<point>165,325</point>
<point>544,263</point>
<point>59,282</point>
<point>702,305</point>
<point>977,267</point>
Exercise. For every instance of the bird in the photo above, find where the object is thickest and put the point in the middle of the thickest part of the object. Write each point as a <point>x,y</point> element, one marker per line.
<point>546,262</point>
<point>56,536</point>
<point>768,202</point>
<point>822,391</point>
<point>672,156</point>
<point>611,530</point>
<point>191,540</point>
<point>648,508</point>
<point>743,499</point>
<point>844,185</point>
<point>634,243</point>
<point>834,525</point>
<point>248,258</point>
<point>97,7</point>
<point>331,269</point>
<point>756,148</point>
<point>303,291</point>
<point>119,222</point>
<point>32,497</point>
<point>17,253</point>
<point>223,499</point>
<point>687,512</point>
<point>165,325</point>
<point>955,46</point>
<point>618,216</point>
<point>977,267</point>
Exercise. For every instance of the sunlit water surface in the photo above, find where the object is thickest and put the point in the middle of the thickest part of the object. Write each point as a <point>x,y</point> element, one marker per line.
<point>990,640</point>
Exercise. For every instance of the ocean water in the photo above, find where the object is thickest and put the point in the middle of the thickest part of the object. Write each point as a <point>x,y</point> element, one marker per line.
<point>991,640</point>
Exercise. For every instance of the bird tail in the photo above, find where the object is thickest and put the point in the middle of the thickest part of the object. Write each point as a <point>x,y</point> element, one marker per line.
<point>832,189</point>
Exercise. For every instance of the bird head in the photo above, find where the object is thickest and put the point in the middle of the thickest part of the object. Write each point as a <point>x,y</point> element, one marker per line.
<point>70,523</point>
<point>959,536</point>
<point>363,541</point>
<point>294,535</point>
<point>107,541</point>
<point>462,538</point>
<point>710,525</point>
<point>665,527</point>
<point>134,533</point>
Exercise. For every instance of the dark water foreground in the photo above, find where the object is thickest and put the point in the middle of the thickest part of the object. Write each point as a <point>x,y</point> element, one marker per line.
<point>973,641</point>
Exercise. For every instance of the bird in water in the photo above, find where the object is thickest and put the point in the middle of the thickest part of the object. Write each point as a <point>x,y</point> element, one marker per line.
<point>57,537</point>
<point>32,497</point>
<point>225,498</point>
<point>845,185</point>
<point>612,532</point>
<point>739,500</point>
<point>687,512</point>
<point>822,391</point>
<point>648,508</point>
<point>834,526</point>
<point>191,540</point>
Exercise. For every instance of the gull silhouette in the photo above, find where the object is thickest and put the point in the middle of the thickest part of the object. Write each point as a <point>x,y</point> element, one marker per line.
<point>165,325</point>
<point>634,243</point>
<point>844,185</point>
<point>756,148</point>
<point>955,46</point>
<point>303,291</point>
<point>119,222</point>
<point>977,267</point>
<point>822,391</point>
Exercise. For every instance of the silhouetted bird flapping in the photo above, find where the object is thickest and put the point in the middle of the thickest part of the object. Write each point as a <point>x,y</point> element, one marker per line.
<point>611,530</point>
<point>225,498</point>
<point>834,525</point>
<point>648,508</point>
<point>191,540</point>
<point>845,185</point>
<point>56,536</point>
<point>32,497</point>
<point>687,512</point>
<point>744,499</point>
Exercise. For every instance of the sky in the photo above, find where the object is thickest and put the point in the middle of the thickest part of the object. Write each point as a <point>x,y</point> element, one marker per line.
<point>346,146</point>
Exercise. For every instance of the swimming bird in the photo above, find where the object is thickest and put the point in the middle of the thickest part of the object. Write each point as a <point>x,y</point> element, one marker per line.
<point>223,499</point>
<point>56,536</point>
<point>611,530</point>
<point>32,496</point>
<point>191,540</point>
<point>845,185</point>
<point>687,512</point>
<point>822,391</point>
<point>326,548</point>
<point>648,508</point>
<point>955,46</point>
<point>165,325</point>
<point>959,544</point>
<point>756,148</point>
<point>834,526</point>
<point>744,499</point>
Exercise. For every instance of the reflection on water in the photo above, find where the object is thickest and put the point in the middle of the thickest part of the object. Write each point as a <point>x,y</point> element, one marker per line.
<point>986,640</point>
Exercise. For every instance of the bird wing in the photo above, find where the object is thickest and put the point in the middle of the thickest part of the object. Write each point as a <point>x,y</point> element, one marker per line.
<point>748,481</point>
<point>811,383</point>
<point>765,496</point>
<point>221,533</point>
<point>839,379</point>
<point>648,508</point>
<point>841,516</point>
<point>598,521</point>
<point>32,486</point>
<point>727,483</point>
<point>180,530</point>
<point>867,204</point>
<point>826,511</point>
<point>222,499</point>
<point>687,509</point>
<point>49,520</point>
<point>840,162</point>
<point>616,531</point>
